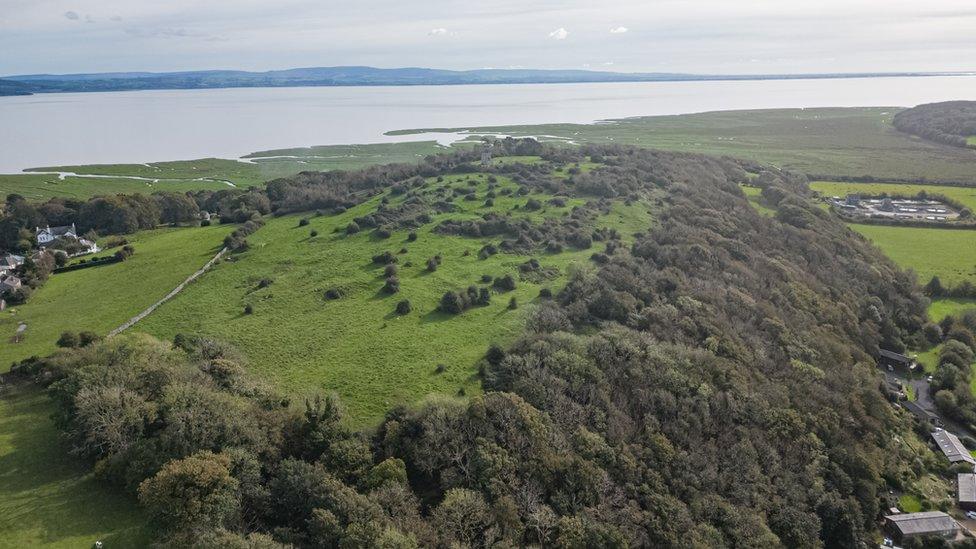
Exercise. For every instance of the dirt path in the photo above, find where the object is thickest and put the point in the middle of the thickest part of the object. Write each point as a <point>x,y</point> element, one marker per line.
<point>129,323</point>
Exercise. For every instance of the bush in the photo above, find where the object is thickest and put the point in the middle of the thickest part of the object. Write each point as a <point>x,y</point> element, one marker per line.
<point>205,223</point>
<point>248,309</point>
<point>487,278</point>
<point>403,307</point>
<point>383,233</point>
<point>392,285</point>
<point>513,303</point>
<point>69,340</point>
<point>333,293</point>
<point>384,258</point>
<point>412,236</point>
<point>313,233</point>
<point>440,369</point>
<point>432,264</point>
<point>264,283</point>
<point>86,338</point>
<point>390,270</point>
<point>545,293</point>
<point>504,283</point>
<point>352,228</point>
<point>303,222</point>
<point>452,303</point>
<point>533,205</point>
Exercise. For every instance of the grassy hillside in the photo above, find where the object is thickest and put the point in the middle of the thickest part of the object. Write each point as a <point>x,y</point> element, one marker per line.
<point>101,298</point>
<point>834,141</point>
<point>39,187</point>
<point>48,498</point>
<point>303,342</point>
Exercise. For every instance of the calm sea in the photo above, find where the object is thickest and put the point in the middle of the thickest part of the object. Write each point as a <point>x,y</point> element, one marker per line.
<point>147,126</point>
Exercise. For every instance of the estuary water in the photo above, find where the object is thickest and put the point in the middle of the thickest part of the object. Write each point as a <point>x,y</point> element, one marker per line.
<point>151,126</point>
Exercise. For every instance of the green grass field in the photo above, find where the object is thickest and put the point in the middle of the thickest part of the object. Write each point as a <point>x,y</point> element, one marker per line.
<point>102,298</point>
<point>39,187</point>
<point>948,253</point>
<point>754,195</point>
<point>909,503</point>
<point>48,498</point>
<point>971,140</point>
<point>832,141</point>
<point>357,346</point>
<point>963,195</point>
<point>941,308</point>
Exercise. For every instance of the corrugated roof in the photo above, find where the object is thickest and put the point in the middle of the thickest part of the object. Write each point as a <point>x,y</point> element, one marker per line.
<point>922,523</point>
<point>966,484</point>
<point>891,355</point>
<point>952,447</point>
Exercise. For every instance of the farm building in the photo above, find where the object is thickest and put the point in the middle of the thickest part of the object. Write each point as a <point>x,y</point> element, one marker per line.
<point>929,523</point>
<point>922,414</point>
<point>909,209</point>
<point>49,234</point>
<point>966,491</point>
<point>952,447</point>
<point>895,360</point>
<point>9,284</point>
<point>9,262</point>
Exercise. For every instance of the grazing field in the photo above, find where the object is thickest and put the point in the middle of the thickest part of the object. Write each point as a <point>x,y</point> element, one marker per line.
<point>964,195</point>
<point>948,253</point>
<point>101,298</point>
<point>38,187</point>
<point>357,345</point>
<point>833,141</point>
<point>48,498</point>
<point>941,308</point>
<point>754,195</point>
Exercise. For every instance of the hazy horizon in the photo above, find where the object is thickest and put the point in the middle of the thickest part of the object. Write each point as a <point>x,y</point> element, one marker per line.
<point>707,37</point>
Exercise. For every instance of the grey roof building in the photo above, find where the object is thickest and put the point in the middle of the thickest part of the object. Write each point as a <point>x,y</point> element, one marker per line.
<point>966,491</point>
<point>922,413</point>
<point>929,523</point>
<point>952,447</point>
<point>892,358</point>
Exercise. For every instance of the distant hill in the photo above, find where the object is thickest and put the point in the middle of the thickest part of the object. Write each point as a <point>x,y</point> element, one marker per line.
<point>352,76</point>
<point>949,122</point>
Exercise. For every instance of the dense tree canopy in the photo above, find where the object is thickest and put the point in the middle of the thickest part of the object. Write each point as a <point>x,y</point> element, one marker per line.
<point>950,122</point>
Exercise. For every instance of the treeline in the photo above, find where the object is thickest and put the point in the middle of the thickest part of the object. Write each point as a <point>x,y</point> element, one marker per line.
<point>951,381</point>
<point>936,289</point>
<point>950,122</point>
<point>710,385</point>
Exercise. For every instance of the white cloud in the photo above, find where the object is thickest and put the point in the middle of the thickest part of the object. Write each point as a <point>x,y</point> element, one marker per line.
<point>437,32</point>
<point>559,34</point>
<point>73,15</point>
<point>618,30</point>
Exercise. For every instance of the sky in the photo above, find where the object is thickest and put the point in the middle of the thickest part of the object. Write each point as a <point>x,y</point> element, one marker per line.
<point>701,36</point>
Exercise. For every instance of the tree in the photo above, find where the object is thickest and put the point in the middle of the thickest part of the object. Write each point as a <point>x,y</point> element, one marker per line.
<point>191,493</point>
<point>69,340</point>
<point>462,516</point>
<point>934,287</point>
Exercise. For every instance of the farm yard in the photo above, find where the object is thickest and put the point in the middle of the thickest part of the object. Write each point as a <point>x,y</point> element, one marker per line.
<point>964,195</point>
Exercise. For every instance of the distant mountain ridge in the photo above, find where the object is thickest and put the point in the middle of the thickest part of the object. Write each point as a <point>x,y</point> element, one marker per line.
<point>362,76</point>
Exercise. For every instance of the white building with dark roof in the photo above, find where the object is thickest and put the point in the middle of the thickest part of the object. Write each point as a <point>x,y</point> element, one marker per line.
<point>952,447</point>
<point>49,234</point>
<point>929,523</point>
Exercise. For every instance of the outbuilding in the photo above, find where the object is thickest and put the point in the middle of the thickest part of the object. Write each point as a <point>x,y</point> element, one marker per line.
<point>966,491</point>
<point>952,447</point>
<point>928,523</point>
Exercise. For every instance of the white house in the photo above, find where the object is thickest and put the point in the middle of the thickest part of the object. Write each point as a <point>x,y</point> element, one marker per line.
<point>9,284</point>
<point>49,234</point>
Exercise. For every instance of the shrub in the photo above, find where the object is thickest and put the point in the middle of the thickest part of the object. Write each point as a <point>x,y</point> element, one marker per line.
<point>440,369</point>
<point>264,283</point>
<point>313,233</point>
<point>490,203</point>
<point>533,205</point>
<point>504,283</point>
<point>86,338</point>
<point>390,270</point>
<point>484,297</point>
<point>487,278</point>
<point>392,285</point>
<point>513,303</point>
<point>205,223</point>
<point>452,303</point>
<point>303,222</point>
<point>248,309</point>
<point>384,258</point>
<point>412,236</point>
<point>432,264</point>
<point>69,340</point>
<point>352,228</point>
<point>403,307</point>
<point>333,293</point>
<point>383,232</point>
<point>545,293</point>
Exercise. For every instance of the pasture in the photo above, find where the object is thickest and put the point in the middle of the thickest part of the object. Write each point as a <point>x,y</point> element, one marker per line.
<point>38,187</point>
<point>49,498</point>
<point>302,342</point>
<point>948,253</point>
<point>101,298</point>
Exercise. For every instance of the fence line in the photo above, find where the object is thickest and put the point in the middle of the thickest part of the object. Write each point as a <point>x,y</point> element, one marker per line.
<point>168,296</point>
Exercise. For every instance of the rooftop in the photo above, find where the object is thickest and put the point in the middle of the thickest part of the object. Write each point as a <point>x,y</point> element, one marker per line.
<point>922,523</point>
<point>966,483</point>
<point>952,447</point>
